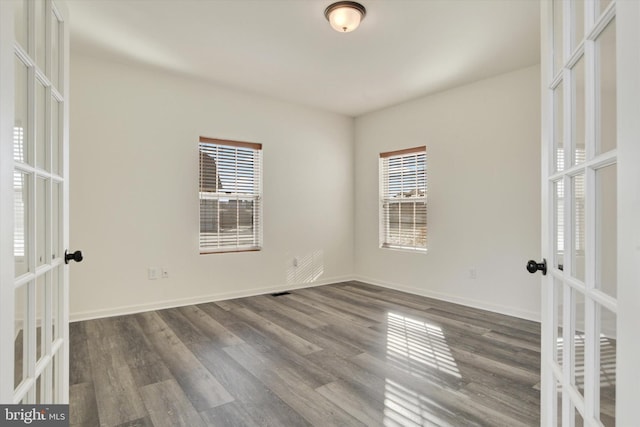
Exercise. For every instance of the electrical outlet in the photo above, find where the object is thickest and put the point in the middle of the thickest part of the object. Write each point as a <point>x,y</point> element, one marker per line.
<point>152,273</point>
<point>295,261</point>
<point>473,274</point>
<point>165,273</point>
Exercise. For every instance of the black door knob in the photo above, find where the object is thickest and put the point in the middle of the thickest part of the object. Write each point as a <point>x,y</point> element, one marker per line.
<point>75,256</point>
<point>533,266</point>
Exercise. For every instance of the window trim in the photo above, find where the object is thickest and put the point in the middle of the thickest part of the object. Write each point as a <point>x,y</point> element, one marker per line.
<point>404,151</point>
<point>258,196</point>
<point>231,143</point>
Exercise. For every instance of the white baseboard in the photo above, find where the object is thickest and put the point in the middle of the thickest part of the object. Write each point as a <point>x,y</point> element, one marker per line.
<point>483,305</point>
<point>159,305</point>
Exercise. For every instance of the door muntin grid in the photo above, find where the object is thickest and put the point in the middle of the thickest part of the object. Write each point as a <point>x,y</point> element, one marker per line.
<point>38,203</point>
<point>580,186</point>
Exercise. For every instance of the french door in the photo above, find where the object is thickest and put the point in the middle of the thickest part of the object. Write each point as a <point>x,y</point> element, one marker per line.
<point>581,200</point>
<point>34,195</point>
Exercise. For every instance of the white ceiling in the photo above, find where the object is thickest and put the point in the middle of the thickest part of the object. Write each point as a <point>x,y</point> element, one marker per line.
<point>286,49</point>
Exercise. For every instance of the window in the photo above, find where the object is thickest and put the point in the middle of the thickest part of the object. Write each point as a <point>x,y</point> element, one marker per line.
<point>230,196</point>
<point>403,199</point>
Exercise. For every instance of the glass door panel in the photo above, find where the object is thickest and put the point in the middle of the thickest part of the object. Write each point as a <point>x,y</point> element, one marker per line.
<point>607,230</point>
<point>56,152</point>
<point>42,226</point>
<point>56,294</point>
<point>558,403</point>
<point>41,32</point>
<point>21,110</point>
<point>55,379</point>
<point>606,89</point>
<point>577,14</point>
<point>578,219</point>
<point>20,340</point>
<point>603,4</point>
<point>39,391</point>
<point>21,224</point>
<point>55,51</point>
<point>579,421</point>
<point>578,339</point>
<point>41,125</point>
<point>21,22</point>
<point>41,304</point>
<point>558,135</point>
<point>607,350</point>
<point>557,37</point>
<point>56,219</point>
<point>578,108</point>
<point>558,295</point>
<point>558,221</point>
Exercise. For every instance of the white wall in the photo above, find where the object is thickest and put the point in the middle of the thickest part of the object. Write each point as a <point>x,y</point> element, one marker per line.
<point>483,172</point>
<point>134,204</point>
<point>134,176</point>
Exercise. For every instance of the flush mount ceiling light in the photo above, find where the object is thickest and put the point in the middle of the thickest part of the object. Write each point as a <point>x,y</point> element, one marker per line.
<point>345,16</point>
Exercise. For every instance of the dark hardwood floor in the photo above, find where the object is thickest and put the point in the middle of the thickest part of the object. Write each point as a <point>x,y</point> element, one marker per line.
<point>337,355</point>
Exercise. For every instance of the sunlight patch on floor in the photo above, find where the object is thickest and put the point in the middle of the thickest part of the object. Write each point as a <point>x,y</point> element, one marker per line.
<point>408,408</point>
<point>417,346</point>
<point>419,349</point>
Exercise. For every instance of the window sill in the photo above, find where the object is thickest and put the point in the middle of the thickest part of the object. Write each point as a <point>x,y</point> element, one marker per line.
<point>228,250</point>
<point>404,249</point>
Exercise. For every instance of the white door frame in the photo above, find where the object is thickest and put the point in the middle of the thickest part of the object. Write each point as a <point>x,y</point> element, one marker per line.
<point>6,198</point>
<point>628,375</point>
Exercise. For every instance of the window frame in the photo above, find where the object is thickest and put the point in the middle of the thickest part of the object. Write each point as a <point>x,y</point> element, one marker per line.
<point>385,200</point>
<point>254,196</point>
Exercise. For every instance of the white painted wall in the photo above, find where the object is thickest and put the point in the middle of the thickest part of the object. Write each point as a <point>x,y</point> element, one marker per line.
<point>134,203</point>
<point>483,172</point>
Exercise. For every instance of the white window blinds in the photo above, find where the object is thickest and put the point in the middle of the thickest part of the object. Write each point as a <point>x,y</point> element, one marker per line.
<point>230,192</point>
<point>403,199</point>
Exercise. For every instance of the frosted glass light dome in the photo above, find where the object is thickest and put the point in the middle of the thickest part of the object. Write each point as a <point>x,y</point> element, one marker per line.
<point>345,16</point>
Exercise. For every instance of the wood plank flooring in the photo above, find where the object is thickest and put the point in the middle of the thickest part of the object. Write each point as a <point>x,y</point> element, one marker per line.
<point>348,354</point>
